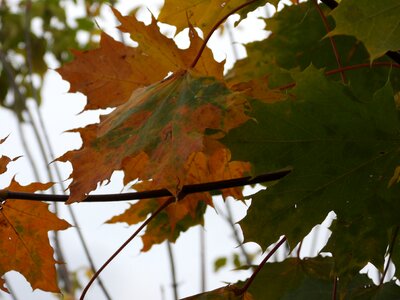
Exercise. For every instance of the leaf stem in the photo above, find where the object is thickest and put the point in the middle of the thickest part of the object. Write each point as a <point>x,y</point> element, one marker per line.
<point>187,189</point>
<point>390,251</point>
<point>149,219</point>
<point>334,289</point>
<point>332,40</point>
<point>394,55</point>
<point>249,281</point>
<point>215,27</point>
<point>347,68</point>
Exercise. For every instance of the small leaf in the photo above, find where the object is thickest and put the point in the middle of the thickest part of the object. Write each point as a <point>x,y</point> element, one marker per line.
<point>219,263</point>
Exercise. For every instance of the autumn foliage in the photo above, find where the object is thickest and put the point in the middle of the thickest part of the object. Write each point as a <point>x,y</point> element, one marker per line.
<point>319,97</point>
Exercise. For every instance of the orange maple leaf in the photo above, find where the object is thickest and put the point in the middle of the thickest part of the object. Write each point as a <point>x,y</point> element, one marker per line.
<point>179,216</point>
<point>24,241</point>
<point>156,131</point>
<point>164,130</point>
<point>108,75</point>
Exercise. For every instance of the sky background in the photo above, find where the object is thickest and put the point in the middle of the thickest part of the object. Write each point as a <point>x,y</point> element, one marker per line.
<point>132,274</point>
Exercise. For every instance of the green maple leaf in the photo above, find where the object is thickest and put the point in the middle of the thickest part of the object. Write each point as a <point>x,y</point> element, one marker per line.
<point>362,288</point>
<point>375,23</point>
<point>294,279</point>
<point>343,153</point>
<point>288,47</point>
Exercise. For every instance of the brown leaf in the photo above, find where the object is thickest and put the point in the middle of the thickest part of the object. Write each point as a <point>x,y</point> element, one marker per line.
<point>24,241</point>
<point>109,75</point>
<point>153,134</point>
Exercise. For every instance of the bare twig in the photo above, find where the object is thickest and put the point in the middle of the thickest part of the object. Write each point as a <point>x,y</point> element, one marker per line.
<point>173,271</point>
<point>149,219</point>
<point>203,259</point>
<point>62,268</point>
<point>390,251</point>
<point>334,288</point>
<point>249,281</point>
<point>229,218</point>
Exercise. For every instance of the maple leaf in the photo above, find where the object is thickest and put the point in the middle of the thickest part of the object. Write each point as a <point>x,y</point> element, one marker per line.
<point>187,212</point>
<point>24,239</point>
<point>203,14</point>
<point>157,130</point>
<point>368,20</point>
<point>108,75</point>
<point>343,153</point>
<point>288,48</point>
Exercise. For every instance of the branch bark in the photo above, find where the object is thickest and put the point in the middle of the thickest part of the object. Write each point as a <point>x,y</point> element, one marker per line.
<point>186,190</point>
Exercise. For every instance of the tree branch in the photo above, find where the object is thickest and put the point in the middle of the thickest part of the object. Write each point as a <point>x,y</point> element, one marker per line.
<point>149,219</point>
<point>347,68</point>
<point>260,266</point>
<point>186,189</point>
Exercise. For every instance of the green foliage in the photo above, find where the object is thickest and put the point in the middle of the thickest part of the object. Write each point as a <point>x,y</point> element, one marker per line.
<point>368,20</point>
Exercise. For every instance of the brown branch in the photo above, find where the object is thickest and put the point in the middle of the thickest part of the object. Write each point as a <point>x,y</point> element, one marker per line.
<point>186,189</point>
<point>332,40</point>
<point>390,251</point>
<point>347,68</point>
<point>334,288</point>
<point>149,219</point>
<point>215,27</point>
<point>249,281</point>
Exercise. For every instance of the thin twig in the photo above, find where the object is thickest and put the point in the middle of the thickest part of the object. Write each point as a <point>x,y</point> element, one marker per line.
<point>173,271</point>
<point>249,281</point>
<point>215,27</point>
<point>332,40</point>
<point>62,268</point>
<point>203,260</point>
<point>299,249</point>
<point>149,219</point>
<point>186,189</point>
<point>347,68</point>
<point>390,251</point>
<point>46,143</point>
<point>229,219</point>
<point>334,288</point>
